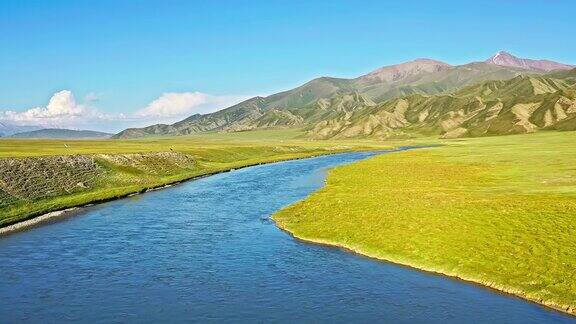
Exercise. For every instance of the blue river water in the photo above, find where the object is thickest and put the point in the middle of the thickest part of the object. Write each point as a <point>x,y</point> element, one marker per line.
<point>207,251</point>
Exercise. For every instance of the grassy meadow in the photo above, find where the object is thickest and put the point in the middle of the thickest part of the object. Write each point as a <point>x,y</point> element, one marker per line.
<point>13,147</point>
<point>39,176</point>
<point>500,211</point>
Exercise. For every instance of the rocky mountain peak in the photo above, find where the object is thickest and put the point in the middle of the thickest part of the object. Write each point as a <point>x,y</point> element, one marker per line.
<point>504,58</point>
<point>398,72</point>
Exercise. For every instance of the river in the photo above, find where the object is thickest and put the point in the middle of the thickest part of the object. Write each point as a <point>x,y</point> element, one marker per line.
<point>207,251</point>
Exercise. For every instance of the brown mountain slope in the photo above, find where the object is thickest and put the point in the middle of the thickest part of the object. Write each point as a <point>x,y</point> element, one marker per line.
<point>322,99</point>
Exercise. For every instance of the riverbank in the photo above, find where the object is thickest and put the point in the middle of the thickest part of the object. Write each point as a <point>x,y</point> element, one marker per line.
<point>490,285</point>
<point>80,180</point>
<point>23,225</point>
<point>213,235</point>
<point>31,221</point>
<point>35,220</point>
<point>499,212</point>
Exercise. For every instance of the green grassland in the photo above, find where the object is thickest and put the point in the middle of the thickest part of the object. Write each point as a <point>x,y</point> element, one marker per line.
<point>500,211</point>
<point>38,147</point>
<point>39,176</point>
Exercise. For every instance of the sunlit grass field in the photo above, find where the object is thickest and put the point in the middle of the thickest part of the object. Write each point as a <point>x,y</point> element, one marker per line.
<point>46,186</point>
<point>42,147</point>
<point>190,144</point>
<point>500,211</point>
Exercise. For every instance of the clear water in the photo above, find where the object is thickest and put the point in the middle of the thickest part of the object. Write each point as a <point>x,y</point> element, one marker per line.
<point>206,251</point>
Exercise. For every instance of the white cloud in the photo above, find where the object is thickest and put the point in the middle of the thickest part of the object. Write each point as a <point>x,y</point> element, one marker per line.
<point>179,104</point>
<point>63,111</point>
<point>174,104</point>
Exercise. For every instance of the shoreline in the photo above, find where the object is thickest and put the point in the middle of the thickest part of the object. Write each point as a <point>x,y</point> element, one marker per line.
<point>32,222</point>
<point>45,217</point>
<point>56,215</point>
<point>550,306</point>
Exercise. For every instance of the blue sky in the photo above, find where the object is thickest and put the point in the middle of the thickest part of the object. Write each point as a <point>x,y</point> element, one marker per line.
<point>120,57</point>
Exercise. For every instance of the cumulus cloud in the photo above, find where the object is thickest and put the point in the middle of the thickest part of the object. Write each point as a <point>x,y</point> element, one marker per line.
<point>178,104</point>
<point>63,111</point>
<point>174,104</point>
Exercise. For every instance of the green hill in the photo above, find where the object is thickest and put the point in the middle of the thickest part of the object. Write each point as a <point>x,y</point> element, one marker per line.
<point>7,129</point>
<point>61,133</point>
<point>523,104</point>
<point>335,102</point>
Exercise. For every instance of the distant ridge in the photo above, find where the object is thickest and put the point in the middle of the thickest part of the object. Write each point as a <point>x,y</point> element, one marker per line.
<point>330,101</point>
<point>56,133</point>
<point>399,72</point>
<point>8,129</point>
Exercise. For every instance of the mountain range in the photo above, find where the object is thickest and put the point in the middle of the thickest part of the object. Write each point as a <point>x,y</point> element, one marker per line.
<point>501,95</point>
<point>56,133</point>
<point>8,129</point>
